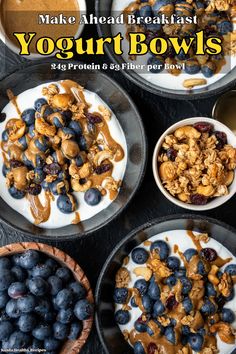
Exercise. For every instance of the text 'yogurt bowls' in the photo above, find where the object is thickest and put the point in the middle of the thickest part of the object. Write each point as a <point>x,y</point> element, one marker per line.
<point>162,289</point>
<point>68,152</point>
<point>194,163</point>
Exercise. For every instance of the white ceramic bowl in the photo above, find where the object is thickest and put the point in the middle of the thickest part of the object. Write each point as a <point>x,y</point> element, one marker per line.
<point>215,202</point>
<point>35,56</point>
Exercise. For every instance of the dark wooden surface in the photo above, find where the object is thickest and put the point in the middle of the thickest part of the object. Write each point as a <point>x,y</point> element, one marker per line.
<point>158,114</point>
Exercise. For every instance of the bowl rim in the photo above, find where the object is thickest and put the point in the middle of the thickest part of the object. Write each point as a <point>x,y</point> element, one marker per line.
<point>219,200</point>
<point>79,275</point>
<point>130,235</point>
<point>156,90</point>
<point>142,172</point>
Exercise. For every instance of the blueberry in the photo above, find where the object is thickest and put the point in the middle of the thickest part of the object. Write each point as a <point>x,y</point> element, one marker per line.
<point>41,143</point>
<point>231,269</point>
<point>145,11</point>
<point>60,331</point>
<point>79,161</point>
<point>19,273</point>
<point>153,27</point>
<point>19,340</point>
<point>138,348</point>
<point>192,66</point>
<point>58,120</point>
<point>121,295</point>
<point>142,286</point>
<point>227,315</point>
<point>181,272</point>
<point>25,160</point>
<point>189,253</point>
<point>156,65</point>
<point>69,132</point>
<point>195,341</point>
<point>133,302</point>
<point>67,114</point>
<point>51,344</point>
<point>122,317</point>
<point>171,281</point>
<point>42,331</point>
<point>55,284</point>
<point>46,111</point>
<point>4,298</point>
<point>6,278</point>
<point>6,329</point>
<point>15,193</point>
<point>41,270</point>
<point>17,290</point>
<point>28,116</point>
<point>38,286</point>
<point>208,308</point>
<point>185,330</point>
<point>37,344</point>
<point>201,269</point>
<point>39,103</point>
<point>186,285</point>
<point>48,317</point>
<point>161,248</point>
<point>43,306</point>
<point>147,303</point>
<point>154,290</point>
<point>182,56</point>
<point>64,299</point>
<point>83,310</point>
<point>29,259</point>
<point>75,330</point>
<point>5,170</point>
<point>208,69</point>
<point>31,131</point>
<point>173,263</point>
<point>139,255</point>
<point>66,204</point>
<point>78,290</point>
<point>23,142</point>
<point>158,308</point>
<point>65,316</point>
<point>39,175</point>
<point>210,290</point>
<point>52,264</point>
<point>5,135</point>
<point>92,196</point>
<point>26,303</point>
<point>187,304</point>
<point>170,335</point>
<point>64,274</point>
<point>82,143</point>
<point>26,322</point>
<point>57,188</point>
<point>140,326</point>
<point>76,126</point>
<point>46,186</point>
<point>5,263</point>
<point>39,161</point>
<point>12,309</point>
<point>224,26</point>
<point>16,259</point>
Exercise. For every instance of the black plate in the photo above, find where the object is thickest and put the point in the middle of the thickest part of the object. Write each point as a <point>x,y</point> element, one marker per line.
<point>109,333</point>
<point>130,121</point>
<point>103,8</point>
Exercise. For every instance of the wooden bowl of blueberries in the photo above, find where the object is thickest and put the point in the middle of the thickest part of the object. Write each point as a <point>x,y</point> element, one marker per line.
<point>45,299</point>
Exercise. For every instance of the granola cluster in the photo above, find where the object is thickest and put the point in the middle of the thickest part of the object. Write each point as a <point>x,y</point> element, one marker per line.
<point>177,304</point>
<point>196,163</point>
<point>61,147</point>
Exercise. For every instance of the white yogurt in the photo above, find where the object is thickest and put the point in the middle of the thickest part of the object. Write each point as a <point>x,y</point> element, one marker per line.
<point>184,242</point>
<point>163,79</point>
<point>57,219</point>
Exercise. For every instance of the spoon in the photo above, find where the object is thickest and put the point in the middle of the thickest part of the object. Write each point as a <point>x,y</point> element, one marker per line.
<point>224,110</point>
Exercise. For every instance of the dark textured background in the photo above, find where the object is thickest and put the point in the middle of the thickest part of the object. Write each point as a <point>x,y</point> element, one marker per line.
<point>158,114</point>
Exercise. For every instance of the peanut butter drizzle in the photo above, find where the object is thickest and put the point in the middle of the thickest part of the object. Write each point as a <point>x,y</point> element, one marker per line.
<point>68,85</point>
<point>77,218</point>
<point>41,213</point>
<point>13,100</point>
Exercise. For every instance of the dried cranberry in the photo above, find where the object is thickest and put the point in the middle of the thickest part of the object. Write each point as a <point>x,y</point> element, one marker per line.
<point>3,116</point>
<point>102,169</point>
<point>209,254</point>
<point>171,302</point>
<point>222,140</point>
<point>171,154</point>
<point>15,164</point>
<point>52,169</point>
<point>34,189</point>
<point>93,118</point>
<point>198,199</point>
<point>140,320</point>
<point>152,348</point>
<point>203,127</point>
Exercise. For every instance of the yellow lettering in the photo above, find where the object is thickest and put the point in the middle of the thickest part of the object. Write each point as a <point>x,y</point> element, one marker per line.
<point>214,46</point>
<point>23,42</point>
<point>137,45</point>
<point>65,45</point>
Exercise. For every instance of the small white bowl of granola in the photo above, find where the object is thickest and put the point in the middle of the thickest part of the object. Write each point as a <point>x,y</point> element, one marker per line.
<point>194,163</point>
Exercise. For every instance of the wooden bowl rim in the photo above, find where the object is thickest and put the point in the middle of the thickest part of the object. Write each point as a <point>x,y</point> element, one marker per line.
<point>70,346</point>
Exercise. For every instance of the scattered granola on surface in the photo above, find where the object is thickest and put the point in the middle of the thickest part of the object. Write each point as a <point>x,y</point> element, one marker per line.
<point>196,163</point>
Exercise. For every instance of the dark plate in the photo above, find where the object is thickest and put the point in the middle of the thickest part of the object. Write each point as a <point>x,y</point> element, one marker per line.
<point>130,121</point>
<point>103,8</point>
<point>109,333</point>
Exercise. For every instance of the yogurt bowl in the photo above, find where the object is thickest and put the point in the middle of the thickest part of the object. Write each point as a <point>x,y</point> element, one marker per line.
<point>212,202</point>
